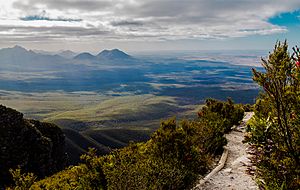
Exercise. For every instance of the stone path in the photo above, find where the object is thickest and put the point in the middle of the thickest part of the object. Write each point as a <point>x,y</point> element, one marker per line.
<point>233,176</point>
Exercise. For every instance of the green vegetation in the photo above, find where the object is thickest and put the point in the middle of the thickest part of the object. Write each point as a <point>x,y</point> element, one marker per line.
<point>274,131</point>
<point>176,154</point>
<point>134,107</point>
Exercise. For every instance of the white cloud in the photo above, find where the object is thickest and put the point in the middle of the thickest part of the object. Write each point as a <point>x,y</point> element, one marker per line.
<point>139,20</point>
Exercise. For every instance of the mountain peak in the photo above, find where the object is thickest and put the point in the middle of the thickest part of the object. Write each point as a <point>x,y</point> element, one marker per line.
<point>15,51</point>
<point>84,56</point>
<point>19,48</point>
<point>66,54</point>
<point>113,54</point>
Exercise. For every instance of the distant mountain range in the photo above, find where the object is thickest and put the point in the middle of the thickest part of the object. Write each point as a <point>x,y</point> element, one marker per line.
<point>114,54</point>
<point>22,59</point>
<point>18,58</point>
<point>63,53</point>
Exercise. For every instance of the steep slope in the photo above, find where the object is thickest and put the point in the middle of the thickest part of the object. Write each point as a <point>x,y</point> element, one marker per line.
<point>103,140</point>
<point>34,146</point>
<point>78,144</point>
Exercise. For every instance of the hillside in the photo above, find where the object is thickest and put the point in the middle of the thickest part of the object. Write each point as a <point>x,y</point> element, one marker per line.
<point>33,146</point>
<point>103,140</point>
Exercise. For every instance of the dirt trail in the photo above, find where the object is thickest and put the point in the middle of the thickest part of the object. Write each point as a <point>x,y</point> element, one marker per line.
<point>233,176</point>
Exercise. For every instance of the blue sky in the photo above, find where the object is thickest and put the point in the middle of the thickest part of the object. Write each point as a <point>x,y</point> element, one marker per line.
<point>148,25</point>
<point>290,20</point>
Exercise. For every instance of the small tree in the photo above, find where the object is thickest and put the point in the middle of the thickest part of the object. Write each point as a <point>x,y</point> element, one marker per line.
<point>22,181</point>
<point>276,127</point>
<point>281,87</point>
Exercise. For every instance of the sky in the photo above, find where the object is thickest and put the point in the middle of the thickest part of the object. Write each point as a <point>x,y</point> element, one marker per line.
<point>148,25</point>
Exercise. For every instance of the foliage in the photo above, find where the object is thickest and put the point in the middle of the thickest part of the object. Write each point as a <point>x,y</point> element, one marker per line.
<point>248,107</point>
<point>274,132</point>
<point>230,113</point>
<point>22,181</point>
<point>88,175</point>
<point>176,154</point>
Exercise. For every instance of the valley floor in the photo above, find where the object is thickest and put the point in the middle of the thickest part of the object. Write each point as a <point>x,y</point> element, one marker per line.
<point>233,176</point>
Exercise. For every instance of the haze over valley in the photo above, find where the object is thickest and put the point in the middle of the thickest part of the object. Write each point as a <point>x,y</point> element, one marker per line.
<point>101,98</point>
<point>184,79</point>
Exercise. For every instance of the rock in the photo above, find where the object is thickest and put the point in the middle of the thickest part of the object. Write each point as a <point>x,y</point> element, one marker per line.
<point>227,170</point>
<point>240,161</point>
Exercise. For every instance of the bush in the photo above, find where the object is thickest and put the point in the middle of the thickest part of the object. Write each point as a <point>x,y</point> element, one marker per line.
<point>230,113</point>
<point>88,175</point>
<point>248,108</point>
<point>171,159</point>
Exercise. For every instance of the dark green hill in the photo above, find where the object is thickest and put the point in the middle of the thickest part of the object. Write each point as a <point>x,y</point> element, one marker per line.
<point>117,138</point>
<point>103,140</point>
<point>33,146</point>
<point>78,144</point>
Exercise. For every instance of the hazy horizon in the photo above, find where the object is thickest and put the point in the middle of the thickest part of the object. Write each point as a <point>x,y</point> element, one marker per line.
<point>139,52</point>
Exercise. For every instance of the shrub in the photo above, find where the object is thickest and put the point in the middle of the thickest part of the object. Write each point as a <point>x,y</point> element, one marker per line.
<point>88,175</point>
<point>230,113</point>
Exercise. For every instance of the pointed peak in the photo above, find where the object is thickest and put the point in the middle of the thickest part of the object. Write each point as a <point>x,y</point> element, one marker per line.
<point>84,55</point>
<point>116,50</point>
<point>16,50</point>
<point>113,54</point>
<point>19,47</point>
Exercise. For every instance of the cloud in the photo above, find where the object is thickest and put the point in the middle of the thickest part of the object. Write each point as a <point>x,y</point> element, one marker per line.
<point>43,16</point>
<point>86,5</point>
<point>37,17</point>
<point>126,23</point>
<point>135,20</point>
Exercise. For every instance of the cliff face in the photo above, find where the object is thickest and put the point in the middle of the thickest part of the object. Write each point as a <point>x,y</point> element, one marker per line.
<point>33,146</point>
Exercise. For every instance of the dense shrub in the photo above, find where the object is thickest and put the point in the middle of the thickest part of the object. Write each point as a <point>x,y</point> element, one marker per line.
<point>88,175</point>
<point>248,108</point>
<point>228,112</point>
<point>174,157</point>
<point>274,131</point>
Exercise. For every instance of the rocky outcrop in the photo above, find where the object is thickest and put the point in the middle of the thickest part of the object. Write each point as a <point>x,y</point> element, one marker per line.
<point>33,146</point>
